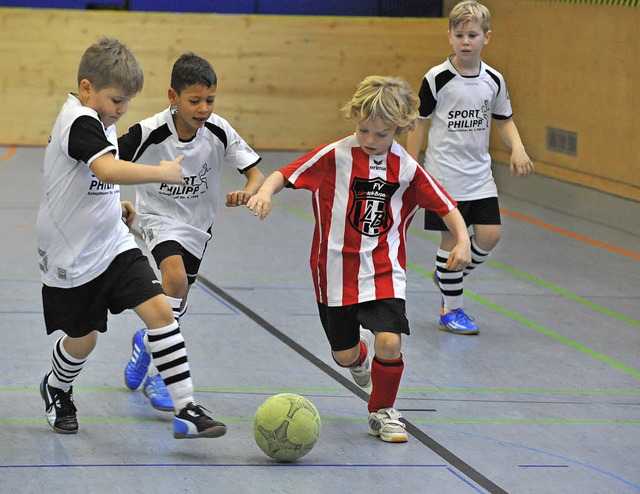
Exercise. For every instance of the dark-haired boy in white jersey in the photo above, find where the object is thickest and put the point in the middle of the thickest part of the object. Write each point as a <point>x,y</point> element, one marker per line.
<point>89,261</point>
<point>366,189</point>
<point>460,97</point>
<point>176,221</point>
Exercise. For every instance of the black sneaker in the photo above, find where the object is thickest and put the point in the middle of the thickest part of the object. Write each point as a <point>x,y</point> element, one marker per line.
<point>193,422</point>
<point>61,411</point>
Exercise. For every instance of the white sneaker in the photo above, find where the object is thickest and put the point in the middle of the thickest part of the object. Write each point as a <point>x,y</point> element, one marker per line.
<point>362,373</point>
<point>386,424</point>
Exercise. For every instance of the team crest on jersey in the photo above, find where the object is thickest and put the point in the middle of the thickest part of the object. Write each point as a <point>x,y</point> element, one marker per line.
<point>370,212</point>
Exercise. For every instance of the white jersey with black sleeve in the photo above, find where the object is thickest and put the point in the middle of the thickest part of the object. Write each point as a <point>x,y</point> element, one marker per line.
<point>183,213</point>
<point>79,227</point>
<point>460,109</point>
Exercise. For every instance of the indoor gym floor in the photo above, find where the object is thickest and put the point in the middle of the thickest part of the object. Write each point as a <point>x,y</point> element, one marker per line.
<point>545,400</point>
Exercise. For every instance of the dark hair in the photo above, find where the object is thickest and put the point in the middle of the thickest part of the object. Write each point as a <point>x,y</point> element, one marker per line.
<point>192,70</point>
<point>110,63</point>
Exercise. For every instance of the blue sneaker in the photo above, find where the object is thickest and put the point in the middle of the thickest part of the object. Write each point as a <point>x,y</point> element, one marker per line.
<point>458,322</point>
<point>155,389</point>
<point>137,366</point>
<point>192,422</point>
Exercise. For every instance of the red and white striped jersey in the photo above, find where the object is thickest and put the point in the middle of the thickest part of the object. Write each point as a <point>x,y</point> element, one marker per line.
<point>363,206</point>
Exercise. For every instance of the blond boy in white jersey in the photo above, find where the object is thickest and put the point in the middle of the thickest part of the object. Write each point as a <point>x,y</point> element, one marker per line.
<point>460,98</point>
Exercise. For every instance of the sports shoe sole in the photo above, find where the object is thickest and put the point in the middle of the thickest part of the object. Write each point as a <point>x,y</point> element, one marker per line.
<point>394,437</point>
<point>442,327</point>
<point>391,438</point>
<point>212,432</point>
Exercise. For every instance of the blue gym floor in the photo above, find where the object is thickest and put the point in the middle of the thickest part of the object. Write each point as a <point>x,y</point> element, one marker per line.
<point>545,400</point>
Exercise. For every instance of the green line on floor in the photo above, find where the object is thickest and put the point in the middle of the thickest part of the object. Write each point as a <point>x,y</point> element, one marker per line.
<point>534,280</point>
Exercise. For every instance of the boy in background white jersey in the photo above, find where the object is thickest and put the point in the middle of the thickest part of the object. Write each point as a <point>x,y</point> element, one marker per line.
<point>89,261</point>
<point>460,97</point>
<point>176,221</point>
<point>365,191</point>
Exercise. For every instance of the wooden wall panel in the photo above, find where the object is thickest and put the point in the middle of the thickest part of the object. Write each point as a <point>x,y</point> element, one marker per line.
<point>283,79</point>
<point>573,67</point>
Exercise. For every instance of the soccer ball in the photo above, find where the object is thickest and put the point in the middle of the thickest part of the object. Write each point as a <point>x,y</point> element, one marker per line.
<point>286,426</point>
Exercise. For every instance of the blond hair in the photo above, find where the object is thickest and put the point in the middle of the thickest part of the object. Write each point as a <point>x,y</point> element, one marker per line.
<point>390,99</point>
<point>470,10</point>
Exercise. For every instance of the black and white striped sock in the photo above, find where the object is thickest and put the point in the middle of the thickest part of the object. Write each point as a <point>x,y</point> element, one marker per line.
<point>451,282</point>
<point>65,368</point>
<point>478,256</point>
<point>169,354</point>
<point>178,312</point>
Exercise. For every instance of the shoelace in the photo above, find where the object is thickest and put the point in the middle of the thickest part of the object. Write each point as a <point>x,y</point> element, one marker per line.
<point>462,316</point>
<point>65,403</point>
<point>198,409</point>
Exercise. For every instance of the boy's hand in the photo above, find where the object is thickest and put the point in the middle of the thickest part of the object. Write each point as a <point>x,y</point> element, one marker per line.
<point>128,213</point>
<point>520,163</point>
<point>173,171</point>
<point>237,198</point>
<point>460,257</point>
<point>260,204</point>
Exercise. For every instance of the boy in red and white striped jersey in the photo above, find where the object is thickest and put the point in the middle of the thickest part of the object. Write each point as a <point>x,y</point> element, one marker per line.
<point>365,191</point>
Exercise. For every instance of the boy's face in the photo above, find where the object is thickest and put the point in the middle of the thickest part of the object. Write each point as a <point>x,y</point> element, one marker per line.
<point>375,135</point>
<point>111,103</point>
<point>194,105</point>
<point>467,40</point>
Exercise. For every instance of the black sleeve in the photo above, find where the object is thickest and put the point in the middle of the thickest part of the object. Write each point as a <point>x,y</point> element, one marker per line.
<point>129,142</point>
<point>427,99</point>
<point>87,139</point>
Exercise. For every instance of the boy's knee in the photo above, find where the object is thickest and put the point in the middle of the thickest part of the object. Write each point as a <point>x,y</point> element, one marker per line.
<point>175,285</point>
<point>388,345</point>
<point>487,239</point>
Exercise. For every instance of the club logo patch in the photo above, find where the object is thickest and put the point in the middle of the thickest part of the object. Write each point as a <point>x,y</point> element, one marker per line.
<point>370,209</point>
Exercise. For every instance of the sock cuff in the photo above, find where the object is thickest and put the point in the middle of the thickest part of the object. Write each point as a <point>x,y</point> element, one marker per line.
<point>174,302</point>
<point>62,351</point>
<point>389,363</point>
<point>474,247</point>
<point>155,332</point>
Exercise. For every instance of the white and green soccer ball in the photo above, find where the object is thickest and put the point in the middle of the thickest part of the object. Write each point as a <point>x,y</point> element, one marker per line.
<point>286,426</point>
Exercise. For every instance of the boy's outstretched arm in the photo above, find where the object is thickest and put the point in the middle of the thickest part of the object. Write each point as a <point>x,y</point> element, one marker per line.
<point>110,170</point>
<point>520,162</point>
<point>255,179</point>
<point>260,202</point>
<point>460,255</point>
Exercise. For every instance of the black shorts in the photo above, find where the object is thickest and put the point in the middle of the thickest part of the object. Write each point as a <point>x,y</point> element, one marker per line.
<point>172,248</point>
<point>342,324</point>
<point>128,281</point>
<point>478,212</point>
